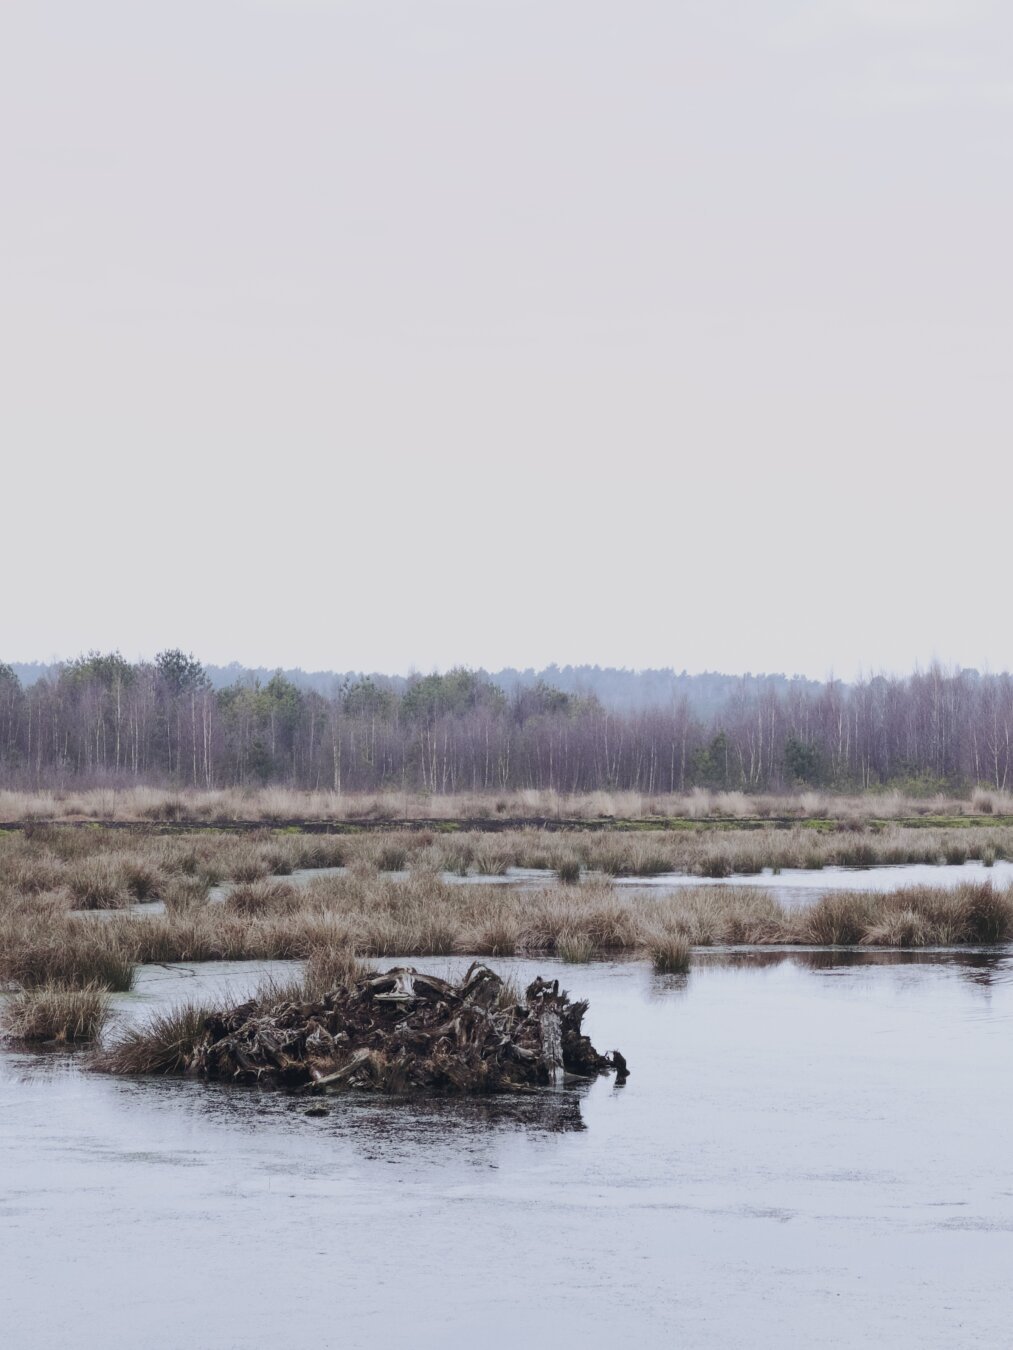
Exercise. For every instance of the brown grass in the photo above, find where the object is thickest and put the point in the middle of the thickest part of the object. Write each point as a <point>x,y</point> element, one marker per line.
<point>330,967</point>
<point>367,912</point>
<point>670,953</point>
<point>576,946</point>
<point>281,805</point>
<point>76,951</point>
<point>106,868</point>
<point>96,883</point>
<point>263,897</point>
<point>164,1044</point>
<point>56,1012</point>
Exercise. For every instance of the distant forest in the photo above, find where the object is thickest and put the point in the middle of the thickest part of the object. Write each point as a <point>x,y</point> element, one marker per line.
<point>617,690</point>
<point>102,719</point>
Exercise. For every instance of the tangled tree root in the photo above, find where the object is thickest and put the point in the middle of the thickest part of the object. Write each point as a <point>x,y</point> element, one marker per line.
<point>401,1031</point>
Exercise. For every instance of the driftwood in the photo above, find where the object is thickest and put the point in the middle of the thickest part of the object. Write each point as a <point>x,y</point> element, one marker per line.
<point>403,1031</point>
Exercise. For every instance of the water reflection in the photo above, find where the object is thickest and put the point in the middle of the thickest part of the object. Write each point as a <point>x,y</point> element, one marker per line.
<point>982,966</point>
<point>373,1125</point>
<point>667,986</point>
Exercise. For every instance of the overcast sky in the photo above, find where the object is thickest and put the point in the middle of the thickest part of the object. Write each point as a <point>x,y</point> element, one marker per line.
<point>363,334</point>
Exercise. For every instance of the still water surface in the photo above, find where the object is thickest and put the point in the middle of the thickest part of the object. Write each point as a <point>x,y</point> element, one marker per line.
<point>795,886</point>
<point>812,1150</point>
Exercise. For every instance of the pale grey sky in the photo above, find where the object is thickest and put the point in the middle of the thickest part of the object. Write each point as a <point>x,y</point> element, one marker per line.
<point>354,333</point>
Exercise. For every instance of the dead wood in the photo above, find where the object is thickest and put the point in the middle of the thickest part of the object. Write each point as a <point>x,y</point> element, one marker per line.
<point>404,1031</point>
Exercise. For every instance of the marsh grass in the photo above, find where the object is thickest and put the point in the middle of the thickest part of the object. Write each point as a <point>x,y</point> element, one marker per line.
<point>276,805</point>
<point>96,883</point>
<point>670,953</point>
<point>183,894</point>
<point>319,850</point>
<point>837,920</point>
<point>74,951</point>
<point>392,858</point>
<point>568,871</point>
<point>103,868</point>
<point>329,968</point>
<point>252,868</point>
<point>56,1012</point>
<point>141,879</point>
<point>421,914</point>
<point>498,936</point>
<point>368,912</point>
<point>165,1044</point>
<point>263,897</point>
<point>493,857</point>
<point>575,946</point>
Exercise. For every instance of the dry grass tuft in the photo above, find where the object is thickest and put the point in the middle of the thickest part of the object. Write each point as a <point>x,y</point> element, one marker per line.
<point>838,920</point>
<point>56,1012</point>
<point>184,895</point>
<point>568,871</point>
<point>141,879</point>
<point>165,1044</point>
<point>263,897</point>
<point>97,883</point>
<point>70,950</point>
<point>330,968</point>
<point>575,947</point>
<point>670,953</point>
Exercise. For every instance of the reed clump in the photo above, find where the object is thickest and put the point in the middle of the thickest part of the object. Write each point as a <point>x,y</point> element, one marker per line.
<point>670,953</point>
<point>263,897</point>
<point>75,951</point>
<point>575,946</point>
<point>331,967</point>
<point>55,1012</point>
<point>165,1044</point>
<point>183,894</point>
<point>96,883</point>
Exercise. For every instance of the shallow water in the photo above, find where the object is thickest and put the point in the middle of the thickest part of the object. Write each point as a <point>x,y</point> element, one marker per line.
<point>796,886</point>
<point>812,1149</point>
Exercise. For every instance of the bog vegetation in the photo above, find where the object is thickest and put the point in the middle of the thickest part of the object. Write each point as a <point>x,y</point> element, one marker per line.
<point>543,807</point>
<point>82,907</point>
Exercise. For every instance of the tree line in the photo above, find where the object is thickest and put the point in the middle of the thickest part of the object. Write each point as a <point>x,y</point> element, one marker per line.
<point>619,689</point>
<point>103,719</point>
